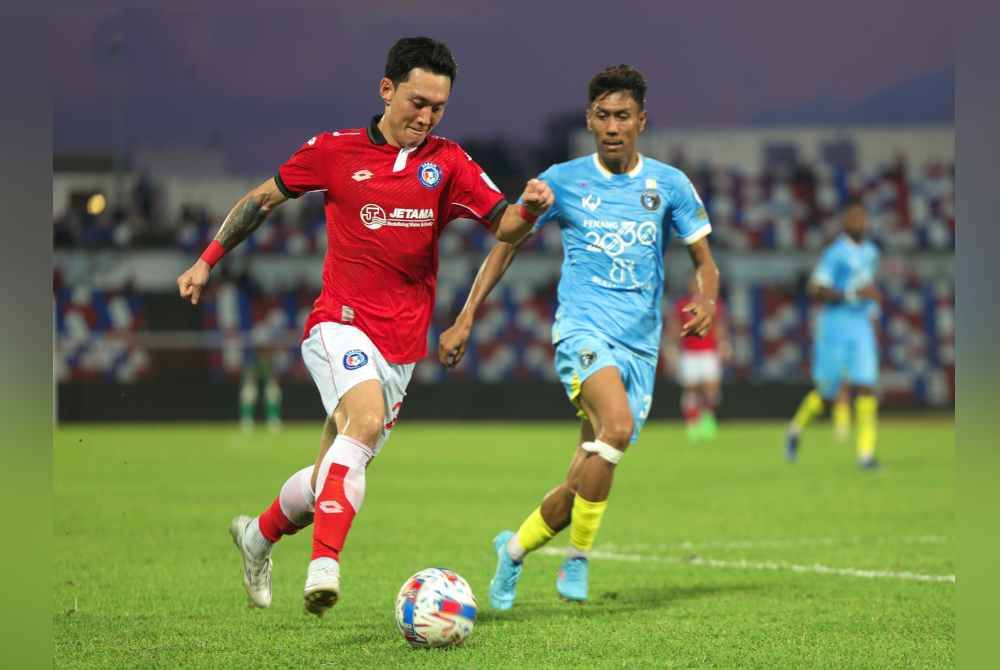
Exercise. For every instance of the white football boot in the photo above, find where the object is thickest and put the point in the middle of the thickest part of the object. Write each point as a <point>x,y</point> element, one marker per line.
<point>256,570</point>
<point>322,585</point>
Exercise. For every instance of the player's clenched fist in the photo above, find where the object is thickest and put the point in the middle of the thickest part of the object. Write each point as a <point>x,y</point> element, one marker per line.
<point>537,196</point>
<point>193,281</point>
<point>451,345</point>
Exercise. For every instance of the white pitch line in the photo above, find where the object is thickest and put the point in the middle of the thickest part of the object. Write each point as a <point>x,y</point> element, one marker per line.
<point>688,545</point>
<point>743,564</point>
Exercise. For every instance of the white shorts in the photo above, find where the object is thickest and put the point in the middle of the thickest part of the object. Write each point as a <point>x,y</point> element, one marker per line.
<point>339,357</point>
<point>698,367</point>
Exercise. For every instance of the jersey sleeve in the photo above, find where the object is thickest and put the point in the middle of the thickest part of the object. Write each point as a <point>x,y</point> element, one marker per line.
<point>823,274</point>
<point>549,177</point>
<point>689,220</point>
<point>306,169</point>
<point>471,193</point>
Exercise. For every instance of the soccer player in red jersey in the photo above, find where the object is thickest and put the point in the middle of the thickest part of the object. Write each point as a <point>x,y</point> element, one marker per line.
<point>698,361</point>
<point>390,189</point>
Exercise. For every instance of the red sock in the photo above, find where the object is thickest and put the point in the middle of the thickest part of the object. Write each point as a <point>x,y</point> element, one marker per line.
<point>334,515</point>
<point>690,408</point>
<point>274,524</point>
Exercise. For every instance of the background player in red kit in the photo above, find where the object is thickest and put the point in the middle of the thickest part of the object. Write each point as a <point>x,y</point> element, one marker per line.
<point>698,362</point>
<point>390,189</point>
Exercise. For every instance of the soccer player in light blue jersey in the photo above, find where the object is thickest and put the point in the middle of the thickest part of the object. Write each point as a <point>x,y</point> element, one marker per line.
<point>844,344</point>
<point>617,210</point>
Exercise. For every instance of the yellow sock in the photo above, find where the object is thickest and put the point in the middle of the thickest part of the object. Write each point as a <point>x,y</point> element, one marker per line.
<point>809,409</point>
<point>866,409</point>
<point>534,532</point>
<point>585,522</point>
<point>842,417</point>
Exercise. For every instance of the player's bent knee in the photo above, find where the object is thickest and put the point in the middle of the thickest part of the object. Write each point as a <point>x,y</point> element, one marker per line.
<point>617,433</point>
<point>366,427</point>
<point>606,451</point>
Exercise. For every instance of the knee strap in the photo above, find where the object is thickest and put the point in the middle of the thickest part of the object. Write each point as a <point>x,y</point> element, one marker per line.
<point>604,450</point>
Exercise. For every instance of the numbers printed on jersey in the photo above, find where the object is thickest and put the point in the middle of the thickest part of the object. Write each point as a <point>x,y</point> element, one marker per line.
<point>623,272</point>
<point>615,242</point>
<point>613,239</point>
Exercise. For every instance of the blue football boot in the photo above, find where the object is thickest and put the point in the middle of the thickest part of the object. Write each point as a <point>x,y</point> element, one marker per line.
<point>572,581</point>
<point>868,463</point>
<point>792,447</point>
<point>504,583</point>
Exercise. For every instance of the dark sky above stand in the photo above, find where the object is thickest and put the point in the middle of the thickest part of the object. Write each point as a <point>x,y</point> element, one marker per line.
<point>260,81</point>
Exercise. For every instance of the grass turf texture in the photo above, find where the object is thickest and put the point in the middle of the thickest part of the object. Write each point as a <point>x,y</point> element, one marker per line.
<point>146,576</point>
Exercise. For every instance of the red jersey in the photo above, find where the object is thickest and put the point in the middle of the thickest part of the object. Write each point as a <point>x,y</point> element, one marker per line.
<point>709,342</point>
<point>385,209</point>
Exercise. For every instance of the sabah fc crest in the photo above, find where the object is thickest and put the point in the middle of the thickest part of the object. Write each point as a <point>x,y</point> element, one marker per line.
<point>429,175</point>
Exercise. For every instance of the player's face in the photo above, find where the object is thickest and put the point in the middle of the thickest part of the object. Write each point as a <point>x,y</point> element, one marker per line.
<point>855,222</point>
<point>415,106</point>
<point>616,121</point>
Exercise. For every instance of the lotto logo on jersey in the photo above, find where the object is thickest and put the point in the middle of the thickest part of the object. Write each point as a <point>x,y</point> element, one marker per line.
<point>354,359</point>
<point>429,175</point>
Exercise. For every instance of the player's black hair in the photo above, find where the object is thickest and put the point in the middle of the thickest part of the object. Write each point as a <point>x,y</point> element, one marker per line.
<point>422,52</point>
<point>619,78</point>
<point>852,200</point>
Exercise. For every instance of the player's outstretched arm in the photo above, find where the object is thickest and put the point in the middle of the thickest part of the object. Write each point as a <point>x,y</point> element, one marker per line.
<point>706,273</point>
<point>244,218</point>
<point>452,343</point>
<point>516,222</point>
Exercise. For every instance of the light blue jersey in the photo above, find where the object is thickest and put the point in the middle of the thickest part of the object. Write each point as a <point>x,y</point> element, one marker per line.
<point>844,342</point>
<point>615,229</point>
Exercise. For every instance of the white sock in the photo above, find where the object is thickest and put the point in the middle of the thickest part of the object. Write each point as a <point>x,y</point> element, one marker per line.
<point>515,549</point>
<point>297,498</point>
<point>258,545</point>
<point>573,552</point>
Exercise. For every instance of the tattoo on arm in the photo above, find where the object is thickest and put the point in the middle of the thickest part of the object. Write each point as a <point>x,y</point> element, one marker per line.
<point>242,220</point>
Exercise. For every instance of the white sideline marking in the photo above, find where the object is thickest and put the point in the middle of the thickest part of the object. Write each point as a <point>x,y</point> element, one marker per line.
<point>787,542</point>
<point>743,564</point>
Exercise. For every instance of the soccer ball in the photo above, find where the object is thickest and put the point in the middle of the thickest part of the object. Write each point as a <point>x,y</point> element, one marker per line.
<point>435,608</point>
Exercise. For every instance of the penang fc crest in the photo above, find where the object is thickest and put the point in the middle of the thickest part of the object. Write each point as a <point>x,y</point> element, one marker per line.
<point>586,358</point>
<point>650,200</point>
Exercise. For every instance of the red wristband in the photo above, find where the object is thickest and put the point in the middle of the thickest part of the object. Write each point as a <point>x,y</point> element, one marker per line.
<point>213,252</point>
<point>528,216</point>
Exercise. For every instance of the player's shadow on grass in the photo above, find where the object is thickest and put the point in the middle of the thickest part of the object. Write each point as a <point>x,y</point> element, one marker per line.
<point>601,605</point>
<point>609,602</point>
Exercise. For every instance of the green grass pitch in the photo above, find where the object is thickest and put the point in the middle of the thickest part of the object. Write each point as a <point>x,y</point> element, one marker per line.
<point>716,555</point>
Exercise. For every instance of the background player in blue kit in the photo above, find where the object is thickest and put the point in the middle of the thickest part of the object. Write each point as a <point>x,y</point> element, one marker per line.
<point>844,343</point>
<point>616,210</point>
